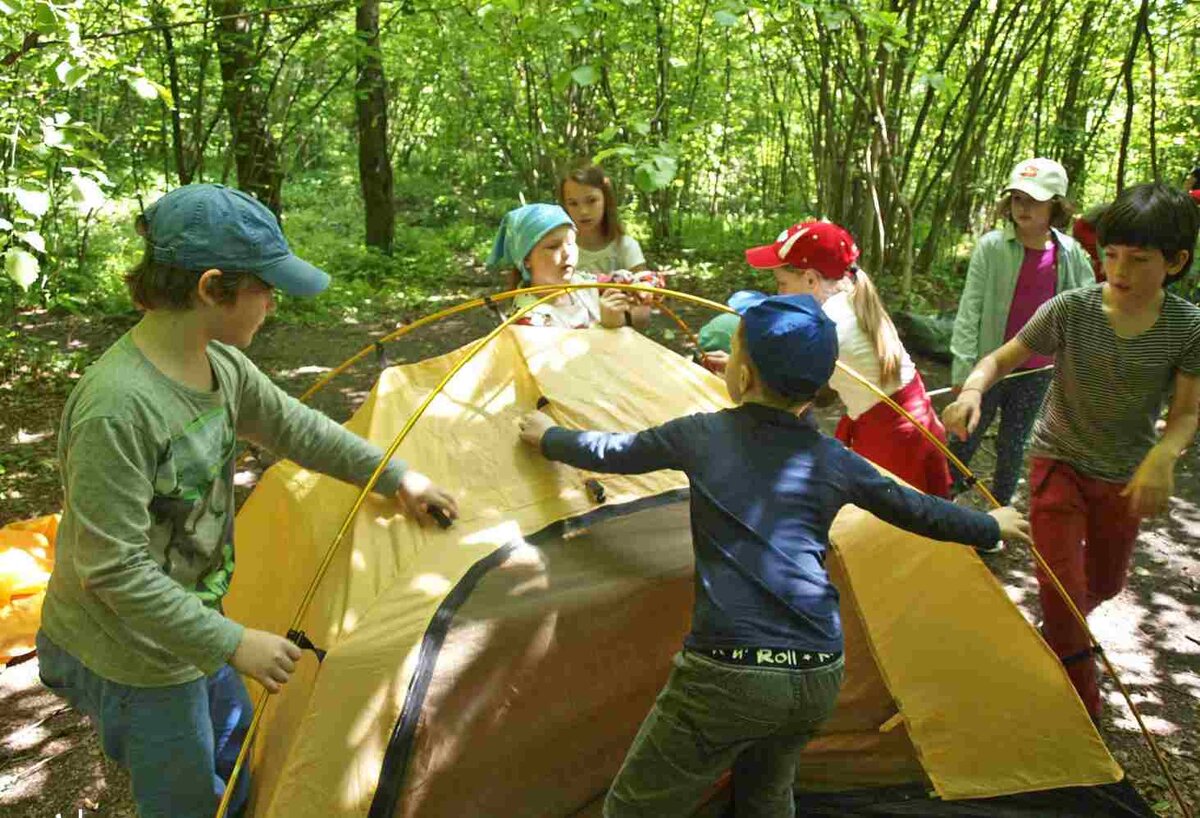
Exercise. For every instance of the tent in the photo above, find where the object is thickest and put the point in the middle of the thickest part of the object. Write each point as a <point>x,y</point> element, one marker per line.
<point>502,666</point>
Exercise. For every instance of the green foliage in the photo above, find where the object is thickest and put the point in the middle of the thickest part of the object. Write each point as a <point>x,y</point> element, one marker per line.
<point>713,118</point>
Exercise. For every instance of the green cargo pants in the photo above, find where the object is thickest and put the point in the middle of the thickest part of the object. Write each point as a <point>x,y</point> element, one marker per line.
<point>711,717</point>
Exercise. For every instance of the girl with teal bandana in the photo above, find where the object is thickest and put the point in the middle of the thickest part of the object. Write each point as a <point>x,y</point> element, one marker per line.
<point>536,245</point>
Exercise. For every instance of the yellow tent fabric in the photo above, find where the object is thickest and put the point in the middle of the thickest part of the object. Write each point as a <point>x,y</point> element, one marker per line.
<point>946,682</point>
<point>26,558</point>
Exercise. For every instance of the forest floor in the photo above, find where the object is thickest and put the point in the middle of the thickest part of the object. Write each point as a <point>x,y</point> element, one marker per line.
<point>51,763</point>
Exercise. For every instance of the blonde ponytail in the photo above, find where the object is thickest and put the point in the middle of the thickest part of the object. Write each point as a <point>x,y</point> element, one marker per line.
<point>874,320</point>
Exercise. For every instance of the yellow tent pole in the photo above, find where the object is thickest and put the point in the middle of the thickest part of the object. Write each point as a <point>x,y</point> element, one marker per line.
<point>261,706</point>
<point>550,291</point>
<point>1054,581</point>
<point>475,303</point>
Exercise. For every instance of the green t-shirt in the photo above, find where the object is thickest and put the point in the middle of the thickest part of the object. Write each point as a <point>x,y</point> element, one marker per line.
<point>145,549</point>
<point>717,334</point>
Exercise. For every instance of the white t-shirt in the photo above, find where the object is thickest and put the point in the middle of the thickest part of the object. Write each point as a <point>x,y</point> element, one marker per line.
<point>623,253</point>
<point>856,351</point>
<point>578,309</point>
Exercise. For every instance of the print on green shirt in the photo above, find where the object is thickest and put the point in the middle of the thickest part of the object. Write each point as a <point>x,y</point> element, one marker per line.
<point>191,533</point>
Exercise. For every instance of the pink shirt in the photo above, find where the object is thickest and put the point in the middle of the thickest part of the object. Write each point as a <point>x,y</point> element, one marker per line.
<point>1036,284</point>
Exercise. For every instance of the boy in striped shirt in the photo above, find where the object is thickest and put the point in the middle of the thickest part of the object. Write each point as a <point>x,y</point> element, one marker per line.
<point>1122,349</point>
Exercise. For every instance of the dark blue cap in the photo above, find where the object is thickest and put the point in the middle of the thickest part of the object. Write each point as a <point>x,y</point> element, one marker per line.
<point>201,227</point>
<point>790,339</point>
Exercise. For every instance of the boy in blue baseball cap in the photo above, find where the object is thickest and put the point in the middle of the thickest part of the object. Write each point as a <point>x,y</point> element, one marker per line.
<point>761,668</point>
<point>133,633</point>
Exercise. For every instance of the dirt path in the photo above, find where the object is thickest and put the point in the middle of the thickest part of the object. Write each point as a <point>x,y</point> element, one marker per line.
<point>50,762</point>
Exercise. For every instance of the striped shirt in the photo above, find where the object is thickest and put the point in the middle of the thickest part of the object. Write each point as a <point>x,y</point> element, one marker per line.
<point>1107,391</point>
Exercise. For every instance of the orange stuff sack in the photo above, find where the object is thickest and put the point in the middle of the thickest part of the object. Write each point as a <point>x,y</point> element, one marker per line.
<point>26,559</point>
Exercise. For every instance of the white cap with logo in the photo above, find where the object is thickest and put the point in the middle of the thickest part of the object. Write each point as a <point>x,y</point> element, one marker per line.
<point>1041,178</point>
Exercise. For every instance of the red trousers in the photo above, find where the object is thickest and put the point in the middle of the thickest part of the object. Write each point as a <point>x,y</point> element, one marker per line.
<point>1085,532</point>
<point>888,439</point>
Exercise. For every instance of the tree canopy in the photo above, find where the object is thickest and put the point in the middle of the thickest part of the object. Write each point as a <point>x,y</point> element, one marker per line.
<point>897,118</point>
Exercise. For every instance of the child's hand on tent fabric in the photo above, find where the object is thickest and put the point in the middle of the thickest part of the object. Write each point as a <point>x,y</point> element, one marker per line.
<point>265,657</point>
<point>1013,525</point>
<point>533,426</point>
<point>417,493</point>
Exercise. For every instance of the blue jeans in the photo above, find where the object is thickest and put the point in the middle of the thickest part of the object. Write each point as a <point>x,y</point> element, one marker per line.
<point>1017,400</point>
<point>178,742</point>
<point>712,717</point>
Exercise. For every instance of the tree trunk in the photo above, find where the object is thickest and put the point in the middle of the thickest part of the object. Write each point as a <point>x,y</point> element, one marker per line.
<point>1127,79</point>
<point>370,102</point>
<point>1070,126</point>
<point>255,154</point>
<point>183,167</point>
<point>660,124</point>
<point>1144,20</point>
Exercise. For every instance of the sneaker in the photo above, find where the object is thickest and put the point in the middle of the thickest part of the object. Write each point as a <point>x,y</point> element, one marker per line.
<point>988,550</point>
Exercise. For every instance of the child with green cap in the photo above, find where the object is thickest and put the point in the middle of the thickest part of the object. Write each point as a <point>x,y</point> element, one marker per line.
<point>761,668</point>
<point>133,633</point>
<point>536,244</point>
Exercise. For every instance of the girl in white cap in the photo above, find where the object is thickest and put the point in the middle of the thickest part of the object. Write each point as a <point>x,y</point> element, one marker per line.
<point>1013,271</point>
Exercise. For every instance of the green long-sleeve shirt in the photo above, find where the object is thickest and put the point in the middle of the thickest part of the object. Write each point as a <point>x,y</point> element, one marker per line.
<point>988,293</point>
<point>145,549</point>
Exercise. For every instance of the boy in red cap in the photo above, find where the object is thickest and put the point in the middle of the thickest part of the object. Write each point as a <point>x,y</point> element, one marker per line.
<point>761,668</point>
<point>819,259</point>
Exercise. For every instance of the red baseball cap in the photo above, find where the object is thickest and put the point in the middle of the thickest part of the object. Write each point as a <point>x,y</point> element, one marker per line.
<point>821,246</point>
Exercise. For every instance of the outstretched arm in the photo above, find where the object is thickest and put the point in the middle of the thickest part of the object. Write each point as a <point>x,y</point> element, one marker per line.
<point>962,416</point>
<point>930,516</point>
<point>611,452</point>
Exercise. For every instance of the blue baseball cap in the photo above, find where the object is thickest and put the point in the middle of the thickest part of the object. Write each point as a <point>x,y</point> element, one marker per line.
<point>203,226</point>
<point>790,339</point>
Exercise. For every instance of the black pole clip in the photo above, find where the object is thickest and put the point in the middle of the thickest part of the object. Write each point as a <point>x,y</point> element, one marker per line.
<point>595,490</point>
<point>301,640</point>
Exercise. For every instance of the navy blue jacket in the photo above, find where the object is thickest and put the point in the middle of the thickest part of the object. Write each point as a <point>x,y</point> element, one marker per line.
<point>765,487</point>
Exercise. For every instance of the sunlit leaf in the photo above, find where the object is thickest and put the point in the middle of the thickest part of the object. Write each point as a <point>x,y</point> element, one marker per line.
<point>34,239</point>
<point>584,75</point>
<point>33,202</point>
<point>655,174</point>
<point>21,266</point>
<point>9,7</point>
<point>934,80</point>
<point>144,88</point>
<point>164,94</point>
<point>51,136</point>
<point>725,18</point>
<point>5,224</point>
<point>619,150</point>
<point>45,18</point>
<point>86,194</point>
